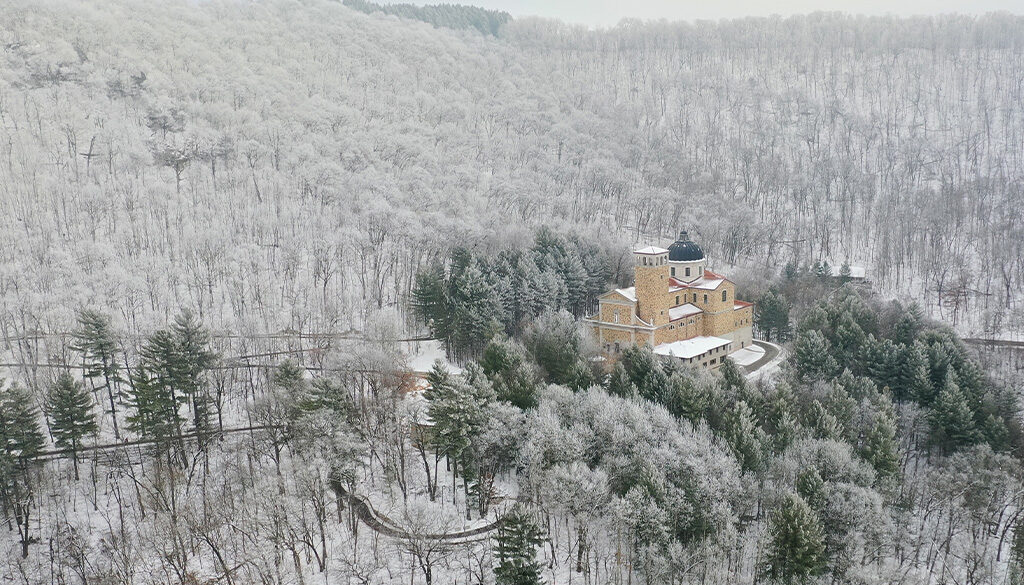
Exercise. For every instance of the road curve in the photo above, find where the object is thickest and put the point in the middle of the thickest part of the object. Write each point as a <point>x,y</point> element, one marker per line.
<point>383,525</point>
<point>771,352</point>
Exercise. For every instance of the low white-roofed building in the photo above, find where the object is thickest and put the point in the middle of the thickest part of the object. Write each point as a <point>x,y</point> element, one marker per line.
<point>705,350</point>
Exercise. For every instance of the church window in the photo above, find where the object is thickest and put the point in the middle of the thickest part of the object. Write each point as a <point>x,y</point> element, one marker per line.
<point>725,295</point>
<point>687,271</point>
<point>677,299</point>
<point>705,298</point>
<point>673,271</point>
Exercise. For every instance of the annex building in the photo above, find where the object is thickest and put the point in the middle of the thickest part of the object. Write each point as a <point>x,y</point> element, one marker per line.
<point>677,306</point>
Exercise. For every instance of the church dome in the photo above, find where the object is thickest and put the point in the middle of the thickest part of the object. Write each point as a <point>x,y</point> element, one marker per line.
<point>684,250</point>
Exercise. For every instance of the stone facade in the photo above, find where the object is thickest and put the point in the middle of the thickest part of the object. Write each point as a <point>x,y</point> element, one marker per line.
<point>661,308</point>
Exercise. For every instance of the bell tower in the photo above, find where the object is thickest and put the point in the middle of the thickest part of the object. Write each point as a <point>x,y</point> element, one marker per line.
<point>651,273</point>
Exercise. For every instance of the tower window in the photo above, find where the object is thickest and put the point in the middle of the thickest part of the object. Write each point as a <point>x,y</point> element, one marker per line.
<point>677,299</point>
<point>687,271</point>
<point>725,295</point>
<point>705,299</point>
<point>673,271</point>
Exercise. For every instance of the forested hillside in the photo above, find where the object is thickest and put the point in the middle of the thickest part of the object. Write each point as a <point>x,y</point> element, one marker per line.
<point>220,223</point>
<point>277,165</point>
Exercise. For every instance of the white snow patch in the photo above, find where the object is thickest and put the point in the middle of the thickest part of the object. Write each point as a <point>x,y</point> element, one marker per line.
<point>747,355</point>
<point>422,354</point>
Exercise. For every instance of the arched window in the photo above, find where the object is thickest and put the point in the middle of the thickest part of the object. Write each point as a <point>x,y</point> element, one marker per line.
<point>725,295</point>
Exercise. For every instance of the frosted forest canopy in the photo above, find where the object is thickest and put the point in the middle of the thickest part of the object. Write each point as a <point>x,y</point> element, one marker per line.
<point>185,187</point>
<point>294,164</point>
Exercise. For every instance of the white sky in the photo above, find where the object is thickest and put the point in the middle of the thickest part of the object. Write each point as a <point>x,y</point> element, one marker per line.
<point>609,12</point>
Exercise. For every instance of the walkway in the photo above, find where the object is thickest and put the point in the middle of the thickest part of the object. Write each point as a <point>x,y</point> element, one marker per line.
<point>381,524</point>
<point>771,352</point>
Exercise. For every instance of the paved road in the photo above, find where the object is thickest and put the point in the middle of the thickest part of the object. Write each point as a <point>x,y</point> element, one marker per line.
<point>771,351</point>
<point>380,523</point>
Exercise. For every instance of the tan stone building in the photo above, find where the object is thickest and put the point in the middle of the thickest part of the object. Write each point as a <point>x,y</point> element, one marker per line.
<point>677,306</point>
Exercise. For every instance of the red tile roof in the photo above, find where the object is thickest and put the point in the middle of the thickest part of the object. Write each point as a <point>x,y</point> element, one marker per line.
<point>713,276</point>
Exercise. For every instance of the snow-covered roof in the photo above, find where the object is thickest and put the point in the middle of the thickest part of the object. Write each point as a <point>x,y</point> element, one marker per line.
<point>629,293</point>
<point>683,311</point>
<point>692,347</point>
<point>651,250</point>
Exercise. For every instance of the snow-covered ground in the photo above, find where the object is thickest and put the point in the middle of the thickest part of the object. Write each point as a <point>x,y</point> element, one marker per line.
<point>422,354</point>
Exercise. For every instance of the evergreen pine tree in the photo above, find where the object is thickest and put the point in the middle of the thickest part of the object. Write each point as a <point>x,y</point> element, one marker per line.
<point>880,448</point>
<point>515,546</point>
<point>21,441</point>
<point>912,378</point>
<point>995,433</point>
<point>811,487</point>
<point>619,383</point>
<point>95,340</point>
<point>193,359</point>
<point>908,326</point>
<point>69,408</point>
<point>824,423</point>
<point>796,550</point>
<point>745,438</point>
<point>155,395</point>
<point>581,376</point>
<point>154,408</point>
<point>771,316</point>
<point>507,367</point>
<point>477,311</point>
<point>554,341</point>
<point>20,437</point>
<point>791,270</point>
<point>823,270</point>
<point>812,356</point>
<point>939,369</point>
<point>430,304</point>
<point>734,383</point>
<point>687,398</point>
<point>951,418</point>
<point>844,273</point>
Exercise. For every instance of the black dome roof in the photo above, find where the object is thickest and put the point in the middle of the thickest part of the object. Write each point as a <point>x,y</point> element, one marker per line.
<point>684,249</point>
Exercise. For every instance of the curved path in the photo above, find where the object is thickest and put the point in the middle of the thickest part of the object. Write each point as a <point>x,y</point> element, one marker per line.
<point>771,352</point>
<point>381,524</point>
